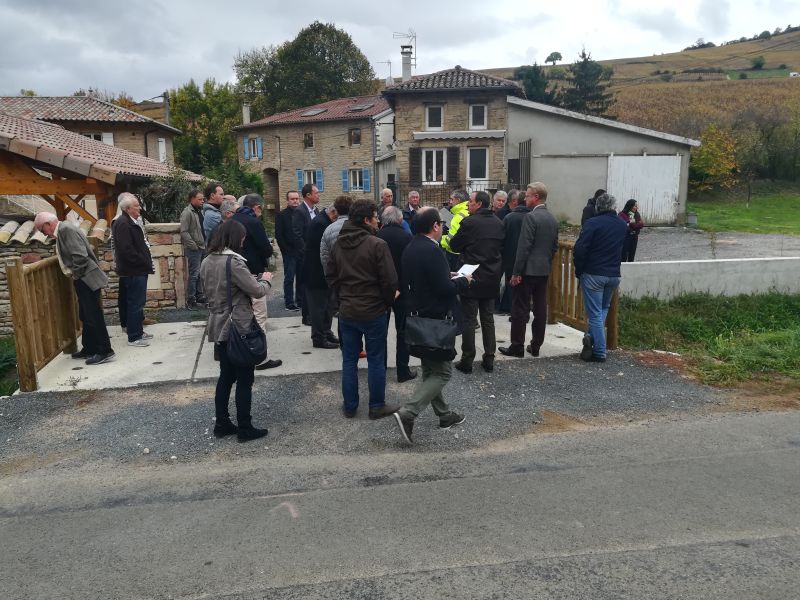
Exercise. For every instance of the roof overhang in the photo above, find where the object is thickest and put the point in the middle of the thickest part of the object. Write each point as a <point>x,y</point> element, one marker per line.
<point>472,134</point>
<point>554,110</point>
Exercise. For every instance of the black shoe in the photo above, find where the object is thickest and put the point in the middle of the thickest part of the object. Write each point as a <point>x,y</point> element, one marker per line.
<point>325,344</point>
<point>511,351</point>
<point>332,339</point>
<point>348,414</point>
<point>306,321</point>
<point>406,425</point>
<point>201,300</point>
<point>216,351</point>
<point>247,433</point>
<point>488,365</point>
<point>383,411</point>
<point>596,358</point>
<point>407,377</point>
<point>531,351</point>
<point>269,364</point>
<point>223,428</point>
<point>450,419</point>
<point>82,354</point>
<point>463,367</point>
<point>292,307</point>
<point>97,359</point>
<point>586,351</point>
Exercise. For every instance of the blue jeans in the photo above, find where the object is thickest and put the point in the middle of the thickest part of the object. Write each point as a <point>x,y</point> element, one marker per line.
<point>374,332</point>
<point>135,296</point>
<point>597,293</point>
<point>289,275</point>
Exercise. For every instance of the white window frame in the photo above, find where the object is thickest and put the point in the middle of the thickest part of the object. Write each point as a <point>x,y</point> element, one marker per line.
<point>93,135</point>
<point>310,176</point>
<point>469,163</point>
<point>356,178</point>
<point>485,116</point>
<point>428,127</point>
<point>252,145</point>
<point>311,133</point>
<point>432,152</point>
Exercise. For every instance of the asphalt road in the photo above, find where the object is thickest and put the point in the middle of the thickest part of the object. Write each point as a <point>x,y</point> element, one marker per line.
<point>671,508</point>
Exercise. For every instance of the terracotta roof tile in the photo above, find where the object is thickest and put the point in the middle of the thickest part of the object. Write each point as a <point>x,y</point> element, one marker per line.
<point>343,109</point>
<point>73,108</point>
<point>456,78</point>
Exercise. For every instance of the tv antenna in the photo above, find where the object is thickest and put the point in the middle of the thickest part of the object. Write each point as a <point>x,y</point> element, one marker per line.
<point>411,36</point>
<point>386,62</point>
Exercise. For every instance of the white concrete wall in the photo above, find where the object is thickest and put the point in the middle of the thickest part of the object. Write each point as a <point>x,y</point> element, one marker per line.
<point>726,277</point>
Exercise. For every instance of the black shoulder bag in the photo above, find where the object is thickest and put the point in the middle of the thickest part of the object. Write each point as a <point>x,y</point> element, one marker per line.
<point>432,339</point>
<point>245,348</point>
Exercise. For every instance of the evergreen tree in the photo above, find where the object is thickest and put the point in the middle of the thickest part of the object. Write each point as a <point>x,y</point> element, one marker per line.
<point>587,82</point>
<point>535,82</point>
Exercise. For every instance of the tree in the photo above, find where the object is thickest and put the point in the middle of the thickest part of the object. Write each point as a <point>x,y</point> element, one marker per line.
<point>534,82</point>
<point>322,63</point>
<point>587,82</point>
<point>713,164</point>
<point>553,57</point>
<point>757,62</point>
<point>29,93</point>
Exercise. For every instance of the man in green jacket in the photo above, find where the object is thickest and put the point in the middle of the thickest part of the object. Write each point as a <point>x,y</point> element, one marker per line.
<point>459,210</point>
<point>194,245</point>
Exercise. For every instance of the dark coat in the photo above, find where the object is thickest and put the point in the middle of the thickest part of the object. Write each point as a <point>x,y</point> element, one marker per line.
<point>397,239</point>
<point>362,273</point>
<point>315,276</point>
<point>589,211</point>
<point>426,282</point>
<point>301,220</point>
<point>503,212</point>
<point>538,242</point>
<point>512,225</point>
<point>598,250</point>
<point>131,253</point>
<point>256,249</point>
<point>479,241</point>
<point>283,230</point>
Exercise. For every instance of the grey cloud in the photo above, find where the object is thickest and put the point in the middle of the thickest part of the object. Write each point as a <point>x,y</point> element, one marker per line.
<point>713,17</point>
<point>664,22</point>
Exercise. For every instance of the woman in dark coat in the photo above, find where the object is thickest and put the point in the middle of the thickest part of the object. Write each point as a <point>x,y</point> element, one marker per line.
<point>226,244</point>
<point>630,214</point>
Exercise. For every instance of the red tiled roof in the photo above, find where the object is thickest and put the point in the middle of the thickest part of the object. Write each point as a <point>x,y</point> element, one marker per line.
<point>343,109</point>
<point>73,108</point>
<point>456,78</point>
<point>55,145</point>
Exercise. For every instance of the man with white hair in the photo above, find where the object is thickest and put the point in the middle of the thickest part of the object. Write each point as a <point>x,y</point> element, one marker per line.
<point>411,209</point>
<point>134,264</point>
<point>77,261</point>
<point>387,199</point>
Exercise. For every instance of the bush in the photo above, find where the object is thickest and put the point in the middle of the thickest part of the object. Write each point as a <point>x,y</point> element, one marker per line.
<point>164,198</point>
<point>758,62</point>
<point>666,77</point>
<point>742,75</point>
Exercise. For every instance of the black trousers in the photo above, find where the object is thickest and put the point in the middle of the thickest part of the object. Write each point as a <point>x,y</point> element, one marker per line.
<point>243,378</point>
<point>320,311</point>
<point>95,335</point>
<point>629,248</point>
<point>530,288</point>
<point>300,295</point>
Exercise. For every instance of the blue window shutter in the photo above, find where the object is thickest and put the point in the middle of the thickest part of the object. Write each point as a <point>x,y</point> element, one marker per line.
<point>246,149</point>
<point>260,148</point>
<point>345,181</point>
<point>367,186</point>
<point>299,180</point>
<point>320,181</point>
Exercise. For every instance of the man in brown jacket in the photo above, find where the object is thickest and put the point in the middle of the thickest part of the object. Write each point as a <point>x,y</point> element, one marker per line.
<point>362,273</point>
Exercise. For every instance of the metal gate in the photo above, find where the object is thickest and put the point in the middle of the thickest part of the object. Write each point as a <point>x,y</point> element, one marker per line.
<point>654,181</point>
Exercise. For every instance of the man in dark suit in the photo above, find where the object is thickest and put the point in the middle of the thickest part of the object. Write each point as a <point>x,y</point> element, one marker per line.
<point>78,261</point>
<point>397,238</point>
<point>301,219</point>
<point>512,225</point>
<point>431,293</point>
<point>318,294</point>
<point>537,245</point>
<point>284,237</point>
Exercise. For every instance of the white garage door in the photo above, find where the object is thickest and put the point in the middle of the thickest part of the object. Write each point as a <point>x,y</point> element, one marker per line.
<point>654,181</point>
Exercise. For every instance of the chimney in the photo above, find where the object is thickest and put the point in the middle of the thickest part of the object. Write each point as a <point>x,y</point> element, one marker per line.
<point>245,114</point>
<point>166,108</point>
<point>405,52</point>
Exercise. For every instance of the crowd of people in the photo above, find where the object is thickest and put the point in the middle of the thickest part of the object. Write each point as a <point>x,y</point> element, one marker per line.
<point>362,262</point>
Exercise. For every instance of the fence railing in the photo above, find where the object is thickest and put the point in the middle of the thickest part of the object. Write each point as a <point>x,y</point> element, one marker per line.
<point>565,300</point>
<point>45,313</point>
<point>438,193</point>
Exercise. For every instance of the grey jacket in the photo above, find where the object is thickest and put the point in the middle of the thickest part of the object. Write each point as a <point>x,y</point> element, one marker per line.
<point>244,287</point>
<point>538,242</point>
<point>212,219</point>
<point>77,255</point>
<point>329,237</point>
<point>191,231</point>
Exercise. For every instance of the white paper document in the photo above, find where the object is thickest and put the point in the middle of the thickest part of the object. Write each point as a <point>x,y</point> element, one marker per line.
<point>466,270</point>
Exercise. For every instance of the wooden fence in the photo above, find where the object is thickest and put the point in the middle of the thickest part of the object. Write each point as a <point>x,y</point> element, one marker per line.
<point>45,312</point>
<point>565,300</point>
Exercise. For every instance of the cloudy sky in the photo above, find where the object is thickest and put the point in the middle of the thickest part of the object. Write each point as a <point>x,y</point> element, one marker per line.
<point>58,46</point>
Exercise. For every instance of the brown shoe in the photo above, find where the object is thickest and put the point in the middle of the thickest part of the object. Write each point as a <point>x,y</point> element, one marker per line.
<point>383,411</point>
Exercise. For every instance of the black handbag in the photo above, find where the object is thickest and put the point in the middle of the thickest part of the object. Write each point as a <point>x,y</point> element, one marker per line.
<point>432,339</point>
<point>245,348</point>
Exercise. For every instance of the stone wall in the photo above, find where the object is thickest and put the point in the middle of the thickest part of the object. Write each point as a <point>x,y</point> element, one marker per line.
<point>166,288</point>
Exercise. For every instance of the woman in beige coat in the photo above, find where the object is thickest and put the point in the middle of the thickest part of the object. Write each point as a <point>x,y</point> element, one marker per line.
<point>227,242</point>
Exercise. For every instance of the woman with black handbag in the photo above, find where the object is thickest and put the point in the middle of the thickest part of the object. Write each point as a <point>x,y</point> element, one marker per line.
<point>229,287</point>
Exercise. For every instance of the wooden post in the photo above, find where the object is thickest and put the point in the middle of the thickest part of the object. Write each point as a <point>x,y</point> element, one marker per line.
<point>26,370</point>
<point>553,285</point>
<point>612,331</point>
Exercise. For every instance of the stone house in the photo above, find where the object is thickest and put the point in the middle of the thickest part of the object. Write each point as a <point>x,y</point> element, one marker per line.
<point>332,145</point>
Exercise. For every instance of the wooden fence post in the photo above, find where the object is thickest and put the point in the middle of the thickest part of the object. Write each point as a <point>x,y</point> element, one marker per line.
<point>26,369</point>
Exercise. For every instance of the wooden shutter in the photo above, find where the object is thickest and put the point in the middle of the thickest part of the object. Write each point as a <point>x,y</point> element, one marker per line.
<point>299,180</point>
<point>414,167</point>
<point>259,148</point>
<point>367,185</point>
<point>345,180</point>
<point>453,174</point>
<point>107,137</point>
<point>246,144</point>
<point>320,181</point>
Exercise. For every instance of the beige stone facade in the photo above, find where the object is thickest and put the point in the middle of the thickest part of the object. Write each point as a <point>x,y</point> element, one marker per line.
<point>130,137</point>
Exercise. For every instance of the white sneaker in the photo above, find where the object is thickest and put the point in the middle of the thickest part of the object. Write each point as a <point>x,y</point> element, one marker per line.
<point>147,336</point>
<point>140,343</point>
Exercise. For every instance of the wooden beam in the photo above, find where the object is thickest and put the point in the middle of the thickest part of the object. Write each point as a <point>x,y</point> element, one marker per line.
<point>36,187</point>
<point>76,207</point>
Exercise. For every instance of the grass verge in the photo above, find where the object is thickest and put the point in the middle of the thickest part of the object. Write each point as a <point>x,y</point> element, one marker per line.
<point>728,340</point>
<point>772,209</point>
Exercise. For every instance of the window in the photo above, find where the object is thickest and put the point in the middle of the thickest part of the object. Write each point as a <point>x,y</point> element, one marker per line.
<point>356,180</point>
<point>253,147</point>
<point>478,163</point>
<point>477,116</point>
<point>433,117</point>
<point>310,176</point>
<point>107,137</point>
<point>354,136</point>
<point>433,166</point>
<point>308,140</point>
<point>93,136</point>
